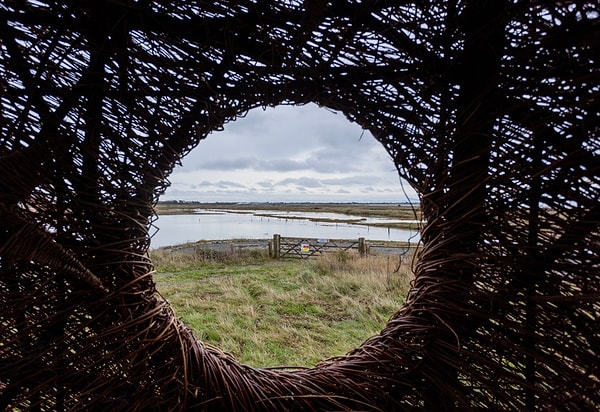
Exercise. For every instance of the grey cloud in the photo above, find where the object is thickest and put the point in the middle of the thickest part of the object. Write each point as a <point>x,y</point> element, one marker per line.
<point>269,140</point>
<point>279,145</point>
<point>225,163</point>
<point>203,185</point>
<point>226,183</point>
<point>301,182</point>
<point>322,161</point>
<point>252,163</point>
<point>363,183</point>
<point>280,165</point>
<point>359,180</point>
<point>267,184</point>
<point>333,160</point>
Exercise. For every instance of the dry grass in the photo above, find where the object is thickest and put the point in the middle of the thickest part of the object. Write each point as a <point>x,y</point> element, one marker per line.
<point>295,313</point>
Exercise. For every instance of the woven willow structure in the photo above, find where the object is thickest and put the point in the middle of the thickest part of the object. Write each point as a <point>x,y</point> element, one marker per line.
<point>490,109</point>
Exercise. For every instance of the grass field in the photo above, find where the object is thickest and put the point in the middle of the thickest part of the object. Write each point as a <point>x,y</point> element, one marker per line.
<point>282,312</point>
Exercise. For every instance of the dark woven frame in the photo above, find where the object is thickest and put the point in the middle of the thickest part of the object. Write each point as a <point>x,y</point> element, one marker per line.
<point>489,109</point>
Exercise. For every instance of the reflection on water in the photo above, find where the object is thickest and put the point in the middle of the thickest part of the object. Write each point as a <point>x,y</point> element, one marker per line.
<point>217,225</point>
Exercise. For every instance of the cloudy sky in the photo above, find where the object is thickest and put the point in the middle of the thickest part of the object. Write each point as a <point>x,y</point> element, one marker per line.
<point>288,154</point>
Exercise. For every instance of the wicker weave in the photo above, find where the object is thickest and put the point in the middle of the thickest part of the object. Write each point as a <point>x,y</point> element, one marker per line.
<point>489,109</point>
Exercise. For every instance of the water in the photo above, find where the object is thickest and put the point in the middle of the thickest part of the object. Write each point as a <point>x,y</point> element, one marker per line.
<point>218,225</point>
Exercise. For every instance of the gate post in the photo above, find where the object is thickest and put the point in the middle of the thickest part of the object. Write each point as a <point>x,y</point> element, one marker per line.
<point>276,246</point>
<point>362,249</point>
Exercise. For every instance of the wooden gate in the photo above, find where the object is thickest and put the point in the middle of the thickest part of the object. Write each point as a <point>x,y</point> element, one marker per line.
<point>305,248</point>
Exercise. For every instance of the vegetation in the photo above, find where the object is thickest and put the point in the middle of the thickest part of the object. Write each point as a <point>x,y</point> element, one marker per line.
<point>405,212</point>
<point>286,312</point>
<point>393,211</point>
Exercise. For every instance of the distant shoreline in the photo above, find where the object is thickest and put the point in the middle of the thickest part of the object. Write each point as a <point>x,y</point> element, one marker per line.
<point>401,216</point>
<point>403,211</point>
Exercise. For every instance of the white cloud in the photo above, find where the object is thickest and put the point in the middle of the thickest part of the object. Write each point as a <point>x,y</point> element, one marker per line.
<point>290,154</point>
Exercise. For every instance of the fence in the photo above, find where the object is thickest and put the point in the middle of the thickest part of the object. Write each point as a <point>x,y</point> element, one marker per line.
<point>304,248</point>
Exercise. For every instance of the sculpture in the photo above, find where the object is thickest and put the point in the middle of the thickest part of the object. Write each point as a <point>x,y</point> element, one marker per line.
<point>489,109</point>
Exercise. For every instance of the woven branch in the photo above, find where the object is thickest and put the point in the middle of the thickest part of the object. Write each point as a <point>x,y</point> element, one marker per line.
<point>489,110</point>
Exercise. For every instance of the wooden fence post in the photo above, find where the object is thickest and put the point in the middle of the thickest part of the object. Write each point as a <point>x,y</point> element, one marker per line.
<point>276,246</point>
<point>362,249</point>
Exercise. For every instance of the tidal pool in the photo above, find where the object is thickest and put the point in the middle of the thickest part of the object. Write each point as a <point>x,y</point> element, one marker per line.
<point>207,224</point>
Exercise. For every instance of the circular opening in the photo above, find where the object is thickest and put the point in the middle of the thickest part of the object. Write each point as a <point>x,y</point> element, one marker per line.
<point>301,163</point>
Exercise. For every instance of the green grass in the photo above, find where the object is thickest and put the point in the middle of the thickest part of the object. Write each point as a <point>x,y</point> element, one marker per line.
<point>289,312</point>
